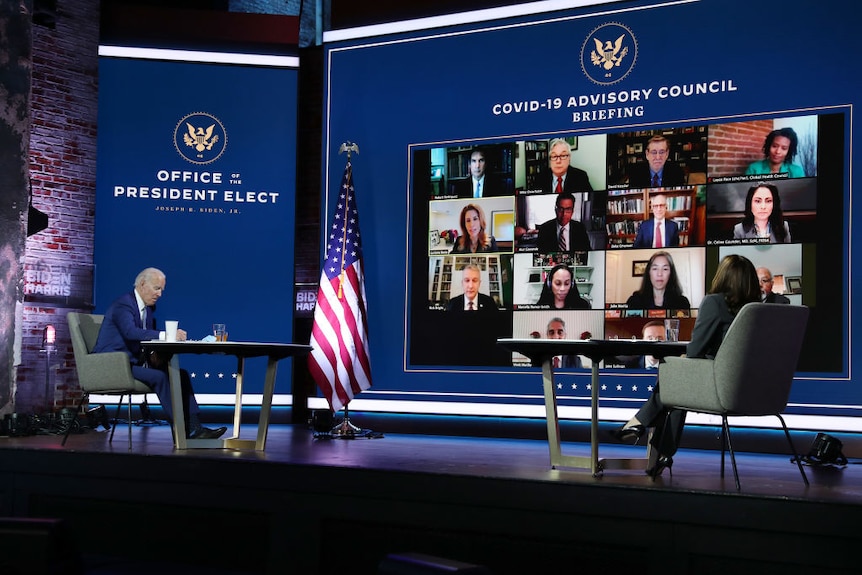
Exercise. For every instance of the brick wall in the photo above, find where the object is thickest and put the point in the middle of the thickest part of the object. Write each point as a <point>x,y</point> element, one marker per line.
<point>733,146</point>
<point>57,275</point>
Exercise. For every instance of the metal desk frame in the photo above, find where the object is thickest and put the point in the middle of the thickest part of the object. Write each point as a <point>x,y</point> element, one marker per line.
<point>542,352</point>
<point>242,350</point>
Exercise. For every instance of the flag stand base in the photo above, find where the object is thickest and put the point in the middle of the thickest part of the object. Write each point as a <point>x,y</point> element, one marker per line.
<point>345,429</point>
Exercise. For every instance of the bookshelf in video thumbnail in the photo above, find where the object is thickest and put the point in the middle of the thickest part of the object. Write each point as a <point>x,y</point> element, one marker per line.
<point>612,233</point>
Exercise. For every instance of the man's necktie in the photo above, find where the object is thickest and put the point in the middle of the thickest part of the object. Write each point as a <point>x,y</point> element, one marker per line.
<point>470,306</point>
<point>478,192</point>
<point>562,242</point>
<point>144,317</point>
<point>559,188</point>
<point>655,180</point>
<point>658,235</point>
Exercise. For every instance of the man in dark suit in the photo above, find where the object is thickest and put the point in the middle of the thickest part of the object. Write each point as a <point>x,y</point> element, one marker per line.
<point>574,234</point>
<point>766,282</point>
<point>480,184</point>
<point>669,235</point>
<point>471,299</point>
<point>128,321</point>
<point>564,177</point>
<point>658,171</point>
<point>651,331</point>
<point>557,330</point>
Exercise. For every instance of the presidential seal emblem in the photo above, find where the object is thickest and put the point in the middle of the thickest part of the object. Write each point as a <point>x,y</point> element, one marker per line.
<point>609,53</point>
<point>200,138</point>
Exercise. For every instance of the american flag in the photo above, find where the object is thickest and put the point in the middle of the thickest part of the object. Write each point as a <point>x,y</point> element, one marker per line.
<point>339,360</point>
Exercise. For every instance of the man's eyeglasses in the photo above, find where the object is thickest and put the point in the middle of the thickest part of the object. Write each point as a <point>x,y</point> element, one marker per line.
<point>766,280</point>
<point>655,152</point>
<point>659,205</point>
<point>561,209</point>
<point>560,157</point>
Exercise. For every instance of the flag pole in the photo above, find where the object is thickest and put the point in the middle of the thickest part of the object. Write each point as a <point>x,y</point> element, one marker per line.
<point>345,429</point>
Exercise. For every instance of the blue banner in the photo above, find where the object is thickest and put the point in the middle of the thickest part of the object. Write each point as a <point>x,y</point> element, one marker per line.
<point>196,176</point>
<point>606,80</point>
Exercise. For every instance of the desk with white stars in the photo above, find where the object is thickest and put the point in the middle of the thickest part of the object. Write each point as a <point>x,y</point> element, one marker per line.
<point>242,350</point>
<point>542,352</point>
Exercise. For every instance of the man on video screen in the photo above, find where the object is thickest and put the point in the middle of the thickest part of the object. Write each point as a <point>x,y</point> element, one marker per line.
<point>480,184</point>
<point>563,234</point>
<point>658,171</point>
<point>563,176</point>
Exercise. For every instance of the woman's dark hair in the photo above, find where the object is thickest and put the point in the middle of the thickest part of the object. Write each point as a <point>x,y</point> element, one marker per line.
<point>673,289</point>
<point>776,219</point>
<point>736,279</point>
<point>788,133</point>
<point>573,298</point>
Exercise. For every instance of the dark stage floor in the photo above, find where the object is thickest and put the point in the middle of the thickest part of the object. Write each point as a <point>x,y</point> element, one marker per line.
<point>311,505</point>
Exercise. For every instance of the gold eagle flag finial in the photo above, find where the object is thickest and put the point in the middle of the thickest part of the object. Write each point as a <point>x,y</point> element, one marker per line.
<point>348,147</point>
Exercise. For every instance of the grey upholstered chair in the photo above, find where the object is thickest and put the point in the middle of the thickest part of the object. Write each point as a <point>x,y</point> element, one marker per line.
<point>750,376</point>
<point>105,373</point>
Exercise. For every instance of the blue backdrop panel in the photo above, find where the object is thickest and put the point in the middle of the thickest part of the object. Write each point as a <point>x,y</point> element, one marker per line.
<point>695,64</point>
<point>214,211</point>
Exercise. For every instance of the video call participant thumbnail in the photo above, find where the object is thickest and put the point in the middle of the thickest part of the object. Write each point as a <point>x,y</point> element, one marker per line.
<point>658,170</point>
<point>471,299</point>
<point>474,236</point>
<point>764,276</point>
<point>658,231</point>
<point>559,290</point>
<point>563,233</point>
<point>563,177</point>
<point>779,150</point>
<point>557,330</point>
<point>660,287</point>
<point>481,183</point>
<point>651,331</point>
<point>763,218</point>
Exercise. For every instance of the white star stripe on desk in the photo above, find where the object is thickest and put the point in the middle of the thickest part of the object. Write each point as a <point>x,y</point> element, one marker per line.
<point>206,375</point>
<point>624,389</point>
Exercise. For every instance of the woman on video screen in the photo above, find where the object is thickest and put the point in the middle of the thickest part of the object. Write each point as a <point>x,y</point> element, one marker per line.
<point>779,149</point>
<point>560,292</point>
<point>660,287</point>
<point>473,237</point>
<point>763,216</point>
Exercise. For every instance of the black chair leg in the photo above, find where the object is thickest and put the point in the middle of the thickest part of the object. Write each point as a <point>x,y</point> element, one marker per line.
<point>116,419</point>
<point>796,457</point>
<point>130,421</point>
<point>726,427</point>
<point>74,419</point>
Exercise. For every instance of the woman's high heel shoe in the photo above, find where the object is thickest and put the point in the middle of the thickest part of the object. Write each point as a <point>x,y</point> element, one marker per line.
<point>663,461</point>
<point>631,434</point>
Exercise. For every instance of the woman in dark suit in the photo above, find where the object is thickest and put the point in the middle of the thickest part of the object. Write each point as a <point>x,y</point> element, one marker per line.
<point>559,291</point>
<point>763,216</point>
<point>734,285</point>
<point>473,237</point>
<point>660,287</point>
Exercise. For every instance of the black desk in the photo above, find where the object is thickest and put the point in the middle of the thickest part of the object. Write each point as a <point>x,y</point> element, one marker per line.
<point>542,351</point>
<point>242,350</point>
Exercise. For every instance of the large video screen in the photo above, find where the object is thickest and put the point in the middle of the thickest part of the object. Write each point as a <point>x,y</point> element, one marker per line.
<point>606,235</point>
